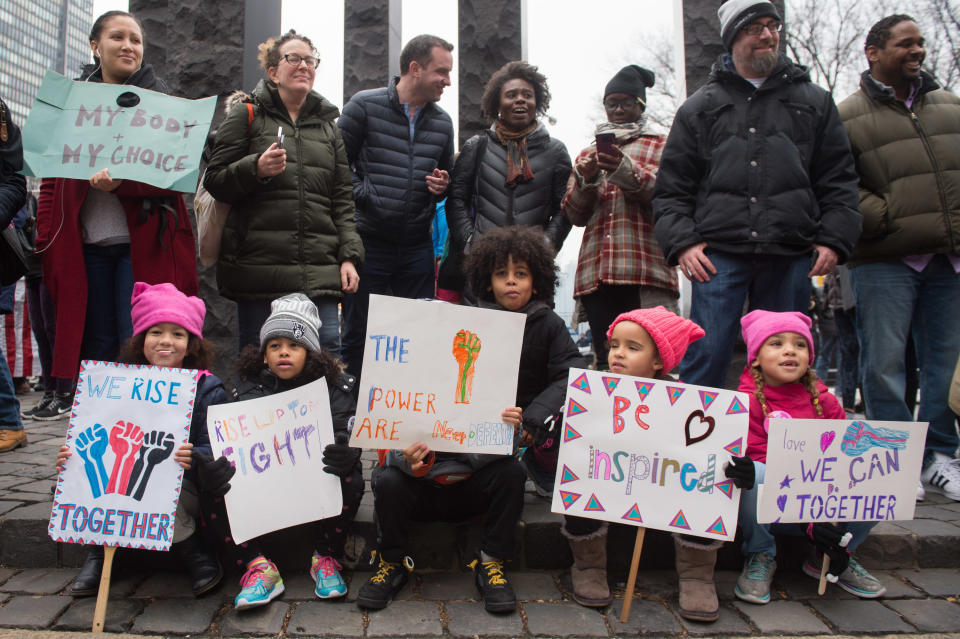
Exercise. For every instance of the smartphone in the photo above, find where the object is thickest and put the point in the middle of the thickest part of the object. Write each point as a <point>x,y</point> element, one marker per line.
<point>605,143</point>
<point>280,137</point>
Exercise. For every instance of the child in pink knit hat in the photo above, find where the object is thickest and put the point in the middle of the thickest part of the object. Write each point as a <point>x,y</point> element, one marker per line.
<point>782,383</point>
<point>168,332</point>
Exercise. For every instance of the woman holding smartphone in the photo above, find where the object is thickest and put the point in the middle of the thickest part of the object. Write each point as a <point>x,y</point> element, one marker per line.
<point>621,266</point>
<point>513,173</point>
<point>279,160</point>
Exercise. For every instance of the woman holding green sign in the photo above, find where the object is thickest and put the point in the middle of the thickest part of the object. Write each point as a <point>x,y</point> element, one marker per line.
<point>283,168</point>
<point>97,236</point>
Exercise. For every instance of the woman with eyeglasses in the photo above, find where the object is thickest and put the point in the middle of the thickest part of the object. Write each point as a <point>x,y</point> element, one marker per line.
<point>97,236</point>
<point>513,173</point>
<point>282,166</point>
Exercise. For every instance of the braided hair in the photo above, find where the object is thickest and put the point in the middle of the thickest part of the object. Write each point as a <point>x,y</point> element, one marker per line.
<point>809,381</point>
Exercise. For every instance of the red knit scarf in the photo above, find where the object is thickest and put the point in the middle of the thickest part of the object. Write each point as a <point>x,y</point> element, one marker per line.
<point>518,164</point>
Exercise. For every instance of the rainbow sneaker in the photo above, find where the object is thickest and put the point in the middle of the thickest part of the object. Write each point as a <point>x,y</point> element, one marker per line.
<point>260,585</point>
<point>325,571</point>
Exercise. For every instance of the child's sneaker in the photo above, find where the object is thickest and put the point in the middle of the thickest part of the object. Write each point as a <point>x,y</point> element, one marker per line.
<point>497,593</point>
<point>389,579</point>
<point>855,579</point>
<point>43,403</point>
<point>260,585</point>
<point>325,571</point>
<point>61,405</point>
<point>943,476</point>
<point>753,585</point>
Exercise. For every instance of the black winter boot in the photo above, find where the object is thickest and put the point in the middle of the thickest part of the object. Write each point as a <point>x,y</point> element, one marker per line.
<point>205,571</point>
<point>87,581</point>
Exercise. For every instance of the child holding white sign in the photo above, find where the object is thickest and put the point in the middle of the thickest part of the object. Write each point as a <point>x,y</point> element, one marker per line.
<point>290,356</point>
<point>167,332</point>
<point>782,384</point>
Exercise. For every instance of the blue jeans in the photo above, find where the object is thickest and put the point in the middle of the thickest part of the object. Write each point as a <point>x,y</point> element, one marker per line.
<point>109,287</point>
<point>769,282</point>
<point>759,537</point>
<point>387,269</point>
<point>893,300</point>
<point>9,404</point>
<point>251,314</point>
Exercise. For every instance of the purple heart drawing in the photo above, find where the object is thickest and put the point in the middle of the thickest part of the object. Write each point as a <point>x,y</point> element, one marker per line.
<point>781,502</point>
<point>826,439</point>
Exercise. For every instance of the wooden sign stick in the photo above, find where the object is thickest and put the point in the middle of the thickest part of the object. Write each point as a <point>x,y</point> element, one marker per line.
<point>100,612</point>
<point>632,579</point>
<point>824,569</point>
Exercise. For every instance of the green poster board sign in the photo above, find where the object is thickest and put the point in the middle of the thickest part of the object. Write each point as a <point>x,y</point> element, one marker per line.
<point>78,128</point>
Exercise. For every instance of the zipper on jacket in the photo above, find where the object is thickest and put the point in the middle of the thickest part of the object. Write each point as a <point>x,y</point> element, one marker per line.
<point>300,200</point>
<point>937,174</point>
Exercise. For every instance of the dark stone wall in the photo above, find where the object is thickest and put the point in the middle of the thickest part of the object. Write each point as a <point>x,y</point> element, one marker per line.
<point>489,36</point>
<point>701,39</point>
<point>366,45</point>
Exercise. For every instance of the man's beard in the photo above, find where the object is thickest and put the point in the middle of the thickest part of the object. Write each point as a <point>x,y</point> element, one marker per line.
<point>763,63</point>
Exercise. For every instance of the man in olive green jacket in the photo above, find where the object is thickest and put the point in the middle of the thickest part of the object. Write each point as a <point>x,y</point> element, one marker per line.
<point>905,131</point>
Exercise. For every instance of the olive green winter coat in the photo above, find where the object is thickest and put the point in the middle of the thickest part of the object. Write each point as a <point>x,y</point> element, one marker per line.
<point>291,232</point>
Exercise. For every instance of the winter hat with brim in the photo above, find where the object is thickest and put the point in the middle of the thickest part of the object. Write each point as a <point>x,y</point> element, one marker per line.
<point>736,14</point>
<point>759,325</point>
<point>671,333</point>
<point>295,317</point>
<point>152,304</point>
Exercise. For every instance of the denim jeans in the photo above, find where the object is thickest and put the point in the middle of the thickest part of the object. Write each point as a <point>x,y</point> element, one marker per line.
<point>769,282</point>
<point>251,314</point>
<point>109,287</point>
<point>9,404</point>
<point>387,269</point>
<point>760,537</point>
<point>894,300</point>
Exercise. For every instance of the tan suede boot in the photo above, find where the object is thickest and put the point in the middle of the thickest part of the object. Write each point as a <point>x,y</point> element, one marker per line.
<point>698,592</point>
<point>589,569</point>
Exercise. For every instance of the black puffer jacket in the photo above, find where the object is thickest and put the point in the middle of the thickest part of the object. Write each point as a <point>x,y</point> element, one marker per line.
<point>763,171</point>
<point>389,168</point>
<point>533,203</point>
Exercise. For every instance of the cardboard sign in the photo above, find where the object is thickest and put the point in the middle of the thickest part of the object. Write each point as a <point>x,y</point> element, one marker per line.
<point>121,485</point>
<point>78,128</point>
<point>650,452</point>
<point>840,470</point>
<point>439,374</point>
<point>276,444</point>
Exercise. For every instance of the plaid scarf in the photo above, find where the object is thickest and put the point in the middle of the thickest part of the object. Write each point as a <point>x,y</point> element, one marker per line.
<point>624,132</point>
<point>518,164</point>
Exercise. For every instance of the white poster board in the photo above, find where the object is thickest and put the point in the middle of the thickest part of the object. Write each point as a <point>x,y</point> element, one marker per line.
<point>439,374</point>
<point>121,485</point>
<point>841,470</point>
<point>650,452</point>
<point>276,444</point>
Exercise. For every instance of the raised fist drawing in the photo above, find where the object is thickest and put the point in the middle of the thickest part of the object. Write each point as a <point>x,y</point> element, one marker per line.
<point>125,439</point>
<point>157,446</point>
<point>466,350</point>
<point>91,445</point>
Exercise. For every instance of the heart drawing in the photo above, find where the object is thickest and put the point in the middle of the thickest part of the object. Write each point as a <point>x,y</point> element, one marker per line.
<point>703,420</point>
<point>781,502</point>
<point>826,439</point>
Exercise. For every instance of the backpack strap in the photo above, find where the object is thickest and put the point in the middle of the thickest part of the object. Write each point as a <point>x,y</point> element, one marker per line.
<point>249,115</point>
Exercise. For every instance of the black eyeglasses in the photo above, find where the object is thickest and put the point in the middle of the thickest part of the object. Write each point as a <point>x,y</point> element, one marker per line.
<point>611,105</point>
<point>295,59</point>
<point>755,29</point>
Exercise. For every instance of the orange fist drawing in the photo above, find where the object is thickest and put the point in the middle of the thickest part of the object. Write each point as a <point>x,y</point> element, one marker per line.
<point>466,349</point>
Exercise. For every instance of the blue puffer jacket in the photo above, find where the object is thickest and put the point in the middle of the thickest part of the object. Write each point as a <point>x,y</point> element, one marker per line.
<point>389,167</point>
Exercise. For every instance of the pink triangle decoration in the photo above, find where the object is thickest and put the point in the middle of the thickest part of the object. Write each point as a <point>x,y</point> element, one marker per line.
<point>726,487</point>
<point>594,505</point>
<point>707,397</point>
<point>736,407</point>
<point>643,389</point>
<point>568,499</point>
<point>574,408</point>
<point>610,384</point>
<point>717,527</point>
<point>582,383</point>
<point>674,393</point>
<point>633,514</point>
<point>570,434</point>
<point>680,521</point>
<point>568,475</point>
<point>735,447</point>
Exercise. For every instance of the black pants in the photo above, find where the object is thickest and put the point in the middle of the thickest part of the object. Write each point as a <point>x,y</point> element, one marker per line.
<point>494,491</point>
<point>580,526</point>
<point>330,534</point>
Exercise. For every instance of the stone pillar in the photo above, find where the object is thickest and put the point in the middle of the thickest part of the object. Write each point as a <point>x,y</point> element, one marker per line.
<point>701,39</point>
<point>490,35</point>
<point>261,20</point>
<point>371,44</point>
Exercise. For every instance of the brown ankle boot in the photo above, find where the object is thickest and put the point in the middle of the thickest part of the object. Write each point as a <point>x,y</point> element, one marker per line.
<point>698,592</point>
<point>589,569</point>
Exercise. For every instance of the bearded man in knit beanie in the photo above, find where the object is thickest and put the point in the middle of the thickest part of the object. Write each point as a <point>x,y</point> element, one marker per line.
<point>757,189</point>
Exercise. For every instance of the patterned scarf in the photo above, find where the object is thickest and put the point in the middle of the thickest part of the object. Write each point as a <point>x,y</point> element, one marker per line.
<point>518,164</point>
<point>624,132</point>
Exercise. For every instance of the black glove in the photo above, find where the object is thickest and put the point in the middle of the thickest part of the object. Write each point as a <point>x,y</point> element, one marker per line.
<point>338,458</point>
<point>741,471</point>
<point>831,541</point>
<point>215,474</point>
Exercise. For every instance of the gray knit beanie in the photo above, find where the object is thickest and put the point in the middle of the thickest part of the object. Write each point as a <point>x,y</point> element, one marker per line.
<point>736,14</point>
<point>295,317</point>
